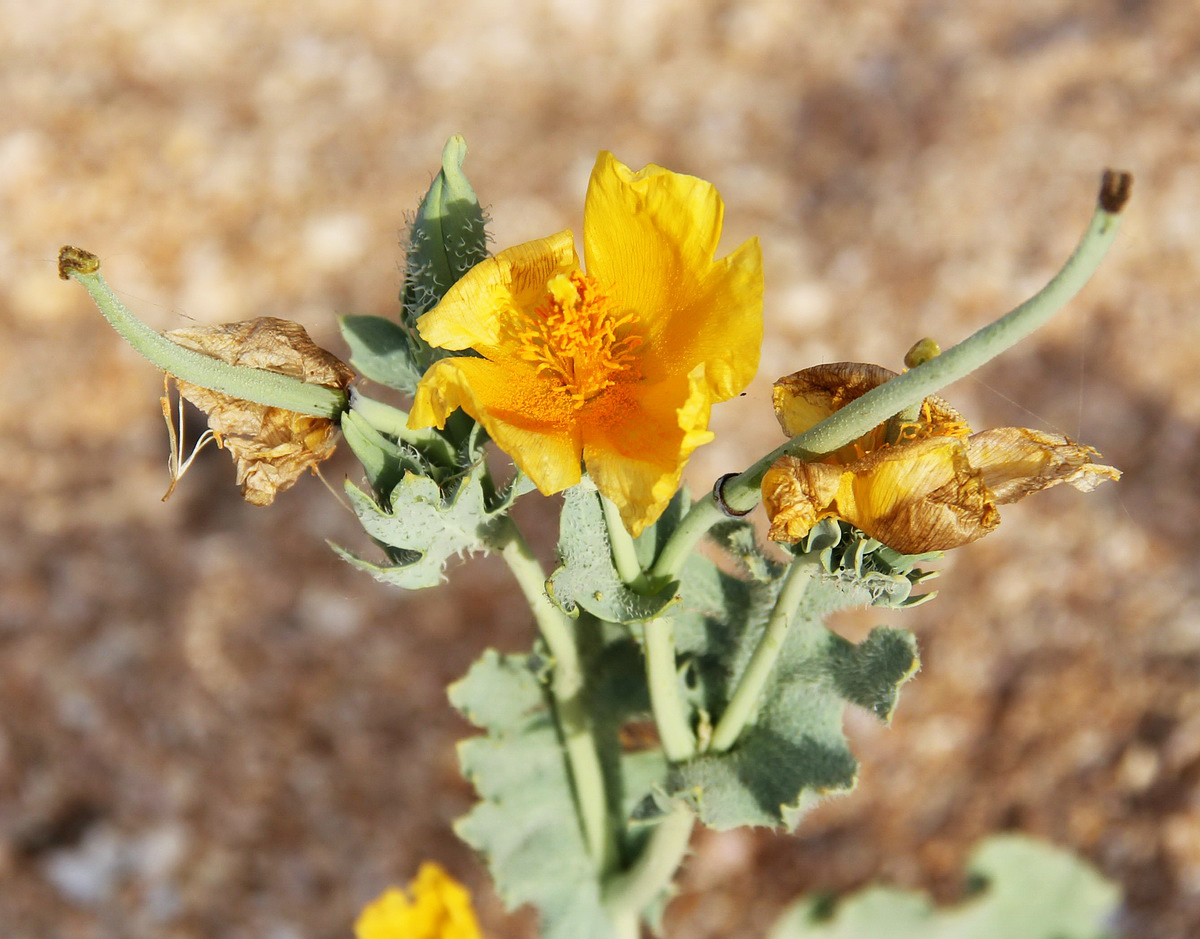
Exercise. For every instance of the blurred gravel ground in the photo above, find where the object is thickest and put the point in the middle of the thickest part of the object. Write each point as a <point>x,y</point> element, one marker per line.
<point>209,727</point>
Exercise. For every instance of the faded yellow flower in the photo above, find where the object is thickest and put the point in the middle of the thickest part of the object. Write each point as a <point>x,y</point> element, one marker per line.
<point>926,484</point>
<point>439,908</point>
<point>615,368</point>
<point>271,446</point>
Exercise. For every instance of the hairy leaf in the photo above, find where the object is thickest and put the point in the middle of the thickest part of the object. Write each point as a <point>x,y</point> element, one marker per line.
<point>793,750</point>
<point>525,824</point>
<point>424,524</point>
<point>1028,890</point>
<point>587,578</point>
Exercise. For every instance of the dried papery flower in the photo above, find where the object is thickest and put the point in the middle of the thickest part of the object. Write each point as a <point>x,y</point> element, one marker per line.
<point>271,446</point>
<point>925,484</point>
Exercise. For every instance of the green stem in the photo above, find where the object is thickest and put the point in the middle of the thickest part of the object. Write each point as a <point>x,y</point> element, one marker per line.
<point>869,411</point>
<point>567,690</point>
<point>628,894</point>
<point>700,518</point>
<point>394,422</point>
<point>746,697</point>
<point>249,384</point>
<point>674,730</point>
<point>625,558</point>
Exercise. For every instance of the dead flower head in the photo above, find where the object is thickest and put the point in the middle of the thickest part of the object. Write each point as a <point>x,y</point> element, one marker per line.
<point>271,446</point>
<point>925,484</point>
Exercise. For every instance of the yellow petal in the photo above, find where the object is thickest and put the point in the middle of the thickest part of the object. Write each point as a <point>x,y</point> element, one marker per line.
<point>650,238</point>
<point>797,494</point>
<point>636,449</point>
<point>440,908</point>
<point>522,412</point>
<point>917,497</point>
<point>474,312</point>
<point>1016,461</point>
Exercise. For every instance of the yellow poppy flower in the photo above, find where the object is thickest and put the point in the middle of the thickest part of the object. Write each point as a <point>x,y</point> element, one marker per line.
<point>615,368</point>
<point>922,485</point>
<point>440,908</point>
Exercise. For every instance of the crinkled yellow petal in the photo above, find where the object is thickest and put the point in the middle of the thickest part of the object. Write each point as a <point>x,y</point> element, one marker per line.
<point>635,450</point>
<point>474,312</point>
<point>797,494</point>
<point>440,908</point>
<point>650,238</point>
<point>526,415</point>
<point>916,497</point>
<point>805,398</point>
<point>1016,461</point>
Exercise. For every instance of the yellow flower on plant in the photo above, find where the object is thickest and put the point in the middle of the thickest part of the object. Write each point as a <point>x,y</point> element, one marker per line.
<point>615,368</point>
<point>926,484</point>
<point>440,908</point>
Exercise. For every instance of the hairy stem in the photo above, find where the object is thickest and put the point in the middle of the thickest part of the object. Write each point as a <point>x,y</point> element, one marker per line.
<point>678,740</point>
<point>624,554</point>
<point>567,691</point>
<point>249,384</point>
<point>746,697</point>
<point>629,893</point>
<point>389,420</point>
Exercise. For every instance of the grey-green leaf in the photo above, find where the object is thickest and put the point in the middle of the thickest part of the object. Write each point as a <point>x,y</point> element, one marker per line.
<point>1031,890</point>
<point>424,525</point>
<point>586,577</point>
<point>381,351</point>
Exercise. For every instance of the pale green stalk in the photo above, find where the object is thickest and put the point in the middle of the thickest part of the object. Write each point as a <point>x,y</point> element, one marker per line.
<point>674,730</point>
<point>389,420</point>
<point>629,893</point>
<point>876,406</point>
<point>249,384</point>
<point>625,559</point>
<point>567,690</point>
<point>748,694</point>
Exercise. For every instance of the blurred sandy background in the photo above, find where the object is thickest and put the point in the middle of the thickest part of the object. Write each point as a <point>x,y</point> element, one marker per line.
<point>211,727</point>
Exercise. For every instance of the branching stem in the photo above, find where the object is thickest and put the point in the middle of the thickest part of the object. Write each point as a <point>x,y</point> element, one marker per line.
<point>567,690</point>
<point>629,893</point>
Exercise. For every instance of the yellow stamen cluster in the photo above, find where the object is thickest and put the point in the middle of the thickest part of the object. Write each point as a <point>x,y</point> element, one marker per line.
<point>575,337</point>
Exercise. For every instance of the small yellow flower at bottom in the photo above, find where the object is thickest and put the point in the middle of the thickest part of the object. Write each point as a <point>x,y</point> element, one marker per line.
<point>925,484</point>
<point>440,908</point>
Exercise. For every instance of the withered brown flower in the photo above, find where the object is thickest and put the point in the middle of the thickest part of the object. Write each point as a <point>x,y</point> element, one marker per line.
<point>920,484</point>
<point>271,446</point>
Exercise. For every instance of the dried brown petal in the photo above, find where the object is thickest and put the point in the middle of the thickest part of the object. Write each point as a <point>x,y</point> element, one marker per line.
<point>805,398</point>
<point>1017,461</point>
<point>271,446</point>
<point>929,491</point>
<point>916,497</point>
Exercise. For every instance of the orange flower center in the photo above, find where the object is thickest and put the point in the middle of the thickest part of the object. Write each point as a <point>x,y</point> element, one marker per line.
<point>577,339</point>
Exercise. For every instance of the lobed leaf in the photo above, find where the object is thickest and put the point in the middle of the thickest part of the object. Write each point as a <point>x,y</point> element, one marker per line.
<point>525,825</point>
<point>424,524</point>
<point>793,751</point>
